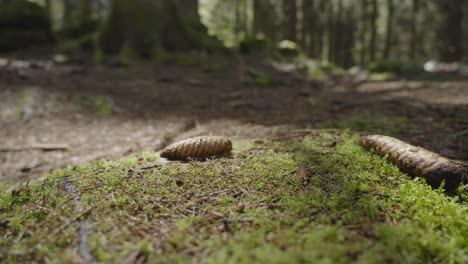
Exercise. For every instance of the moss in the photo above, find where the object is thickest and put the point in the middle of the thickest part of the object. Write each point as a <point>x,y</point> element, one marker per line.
<point>101,105</point>
<point>388,125</point>
<point>258,78</point>
<point>357,208</point>
<point>395,67</point>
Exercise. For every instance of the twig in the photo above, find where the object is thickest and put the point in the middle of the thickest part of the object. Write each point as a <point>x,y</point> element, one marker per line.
<point>39,146</point>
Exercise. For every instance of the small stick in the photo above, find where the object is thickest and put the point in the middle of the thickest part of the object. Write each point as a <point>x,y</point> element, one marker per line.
<point>39,146</point>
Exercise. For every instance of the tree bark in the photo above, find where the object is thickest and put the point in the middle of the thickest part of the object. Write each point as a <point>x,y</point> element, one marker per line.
<point>389,30</point>
<point>363,33</point>
<point>265,19</point>
<point>373,30</point>
<point>67,14</point>
<point>451,30</point>
<point>330,33</point>
<point>146,24</point>
<point>308,27</point>
<point>414,30</point>
<point>290,12</point>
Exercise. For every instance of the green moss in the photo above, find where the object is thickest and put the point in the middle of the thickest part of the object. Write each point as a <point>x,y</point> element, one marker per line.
<point>357,208</point>
<point>389,125</point>
<point>101,105</point>
<point>258,78</point>
<point>395,67</point>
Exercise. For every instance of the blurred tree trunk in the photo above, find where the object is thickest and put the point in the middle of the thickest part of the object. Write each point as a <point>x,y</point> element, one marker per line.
<point>67,13</point>
<point>48,8</point>
<point>465,29</point>
<point>330,33</point>
<point>451,30</point>
<point>414,30</point>
<point>373,29</point>
<point>339,35</point>
<point>144,25</point>
<point>265,19</point>
<point>349,29</point>
<point>308,27</point>
<point>363,33</point>
<point>238,21</point>
<point>85,10</point>
<point>290,23</point>
<point>389,30</point>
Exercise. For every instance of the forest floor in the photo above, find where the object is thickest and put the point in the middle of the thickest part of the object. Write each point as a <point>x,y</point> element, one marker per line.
<point>251,207</point>
<point>104,114</point>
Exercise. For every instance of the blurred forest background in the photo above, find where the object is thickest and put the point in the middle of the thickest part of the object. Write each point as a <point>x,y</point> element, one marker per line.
<point>380,35</point>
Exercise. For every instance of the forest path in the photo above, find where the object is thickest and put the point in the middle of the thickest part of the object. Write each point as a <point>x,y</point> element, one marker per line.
<point>105,114</point>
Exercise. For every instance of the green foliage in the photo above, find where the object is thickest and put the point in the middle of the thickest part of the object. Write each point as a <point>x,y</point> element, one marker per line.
<point>159,54</point>
<point>289,49</point>
<point>127,55</point>
<point>83,44</point>
<point>258,78</point>
<point>79,30</point>
<point>255,45</point>
<point>396,67</point>
<point>213,68</point>
<point>101,105</point>
<point>322,70</point>
<point>383,76</point>
<point>23,24</point>
<point>99,57</point>
<point>219,17</point>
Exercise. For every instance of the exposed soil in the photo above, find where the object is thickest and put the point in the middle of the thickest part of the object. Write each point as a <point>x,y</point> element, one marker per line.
<point>114,112</point>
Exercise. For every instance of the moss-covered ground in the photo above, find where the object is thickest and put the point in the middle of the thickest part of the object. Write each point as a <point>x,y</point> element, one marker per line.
<point>249,208</point>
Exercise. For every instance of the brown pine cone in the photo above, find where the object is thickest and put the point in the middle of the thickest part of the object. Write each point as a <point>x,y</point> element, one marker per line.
<point>416,161</point>
<point>198,147</point>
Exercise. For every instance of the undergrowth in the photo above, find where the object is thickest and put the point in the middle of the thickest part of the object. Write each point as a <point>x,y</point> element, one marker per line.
<point>249,208</point>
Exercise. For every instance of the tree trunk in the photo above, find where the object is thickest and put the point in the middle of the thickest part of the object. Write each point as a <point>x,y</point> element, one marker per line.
<point>264,19</point>
<point>414,30</point>
<point>329,43</point>
<point>373,30</point>
<point>389,30</point>
<point>67,20</point>
<point>349,27</point>
<point>339,35</point>
<point>363,33</point>
<point>85,11</point>
<point>145,25</point>
<point>290,12</point>
<point>450,33</point>
<point>308,27</point>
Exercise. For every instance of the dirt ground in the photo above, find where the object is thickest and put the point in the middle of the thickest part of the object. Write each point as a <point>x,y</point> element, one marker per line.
<point>104,114</point>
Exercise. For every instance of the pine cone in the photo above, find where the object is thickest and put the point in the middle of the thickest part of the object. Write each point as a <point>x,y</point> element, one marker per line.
<point>198,147</point>
<point>416,161</point>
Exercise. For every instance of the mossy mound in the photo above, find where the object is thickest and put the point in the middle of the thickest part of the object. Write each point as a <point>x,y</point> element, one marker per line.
<point>23,24</point>
<point>249,208</point>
